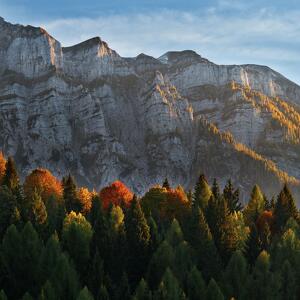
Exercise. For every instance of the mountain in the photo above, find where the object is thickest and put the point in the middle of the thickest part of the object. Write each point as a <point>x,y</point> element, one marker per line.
<point>86,110</point>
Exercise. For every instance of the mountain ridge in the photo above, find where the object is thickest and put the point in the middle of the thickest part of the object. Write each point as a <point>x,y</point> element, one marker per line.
<point>68,108</point>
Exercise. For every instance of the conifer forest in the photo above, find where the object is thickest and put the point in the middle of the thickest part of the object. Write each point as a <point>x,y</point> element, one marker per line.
<point>61,241</point>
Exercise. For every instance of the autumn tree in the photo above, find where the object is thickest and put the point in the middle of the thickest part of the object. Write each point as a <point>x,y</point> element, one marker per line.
<point>117,193</point>
<point>2,166</point>
<point>43,182</point>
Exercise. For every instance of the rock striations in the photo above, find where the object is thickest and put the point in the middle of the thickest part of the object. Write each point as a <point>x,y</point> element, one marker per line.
<point>87,110</point>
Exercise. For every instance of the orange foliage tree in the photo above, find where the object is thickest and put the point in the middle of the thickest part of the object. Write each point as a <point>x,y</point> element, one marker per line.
<point>44,183</point>
<point>85,198</point>
<point>117,193</point>
<point>2,165</point>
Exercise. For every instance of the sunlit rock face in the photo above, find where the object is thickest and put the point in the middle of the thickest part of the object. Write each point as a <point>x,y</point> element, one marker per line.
<point>87,110</point>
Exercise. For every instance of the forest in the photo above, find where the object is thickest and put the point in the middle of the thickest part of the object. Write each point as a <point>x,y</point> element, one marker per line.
<point>60,241</point>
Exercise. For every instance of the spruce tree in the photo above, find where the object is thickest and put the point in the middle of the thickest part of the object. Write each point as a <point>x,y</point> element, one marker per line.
<point>11,177</point>
<point>138,239</point>
<point>3,295</point>
<point>70,195</point>
<point>196,288</point>
<point>216,189</point>
<point>213,291</point>
<point>285,208</point>
<point>255,206</point>
<point>48,292</point>
<point>289,287</point>
<point>232,197</point>
<point>253,246</point>
<point>142,291</point>
<point>166,184</point>
<point>85,294</point>
<point>202,193</point>
<point>169,288</point>
<point>201,239</point>
<point>236,276</point>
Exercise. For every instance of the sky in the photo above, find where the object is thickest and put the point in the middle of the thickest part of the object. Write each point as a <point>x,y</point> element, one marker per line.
<point>224,31</point>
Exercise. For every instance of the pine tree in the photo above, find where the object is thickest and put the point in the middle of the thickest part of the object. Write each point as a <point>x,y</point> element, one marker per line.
<point>70,195</point>
<point>213,291</point>
<point>196,288</point>
<point>27,296</point>
<point>166,184</point>
<point>174,235</point>
<point>232,197</point>
<point>138,239</point>
<point>202,193</point>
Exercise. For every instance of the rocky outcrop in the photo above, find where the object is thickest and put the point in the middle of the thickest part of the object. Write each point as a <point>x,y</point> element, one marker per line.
<point>86,110</point>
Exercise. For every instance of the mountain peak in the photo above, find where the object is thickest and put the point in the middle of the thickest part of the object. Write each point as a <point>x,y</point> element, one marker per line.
<point>185,56</point>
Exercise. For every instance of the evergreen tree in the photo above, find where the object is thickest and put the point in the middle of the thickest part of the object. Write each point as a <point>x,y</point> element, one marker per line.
<point>213,291</point>
<point>216,189</point>
<point>77,234</point>
<point>201,239</point>
<point>11,177</point>
<point>232,197</point>
<point>154,235</point>
<point>9,212</point>
<point>289,284</point>
<point>163,258</point>
<point>103,293</point>
<point>3,295</point>
<point>169,288</point>
<point>96,274</point>
<point>65,279</point>
<point>138,239</point>
<point>202,193</point>
<point>196,288</point>
<point>236,276</point>
<point>253,246</point>
<point>285,208</point>
<point>85,294</point>
<point>264,284</point>
<point>255,206</point>
<point>166,184</point>
<point>142,291</point>
<point>123,290</point>
<point>48,292</point>
<point>70,195</point>
<point>27,296</point>
<point>174,235</point>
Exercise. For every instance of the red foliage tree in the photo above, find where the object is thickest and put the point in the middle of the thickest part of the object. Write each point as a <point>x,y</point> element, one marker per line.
<point>44,183</point>
<point>117,193</point>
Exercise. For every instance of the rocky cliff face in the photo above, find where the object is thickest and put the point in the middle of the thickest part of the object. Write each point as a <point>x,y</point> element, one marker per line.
<point>87,110</point>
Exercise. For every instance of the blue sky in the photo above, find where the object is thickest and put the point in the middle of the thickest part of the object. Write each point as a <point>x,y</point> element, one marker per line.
<point>224,31</point>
